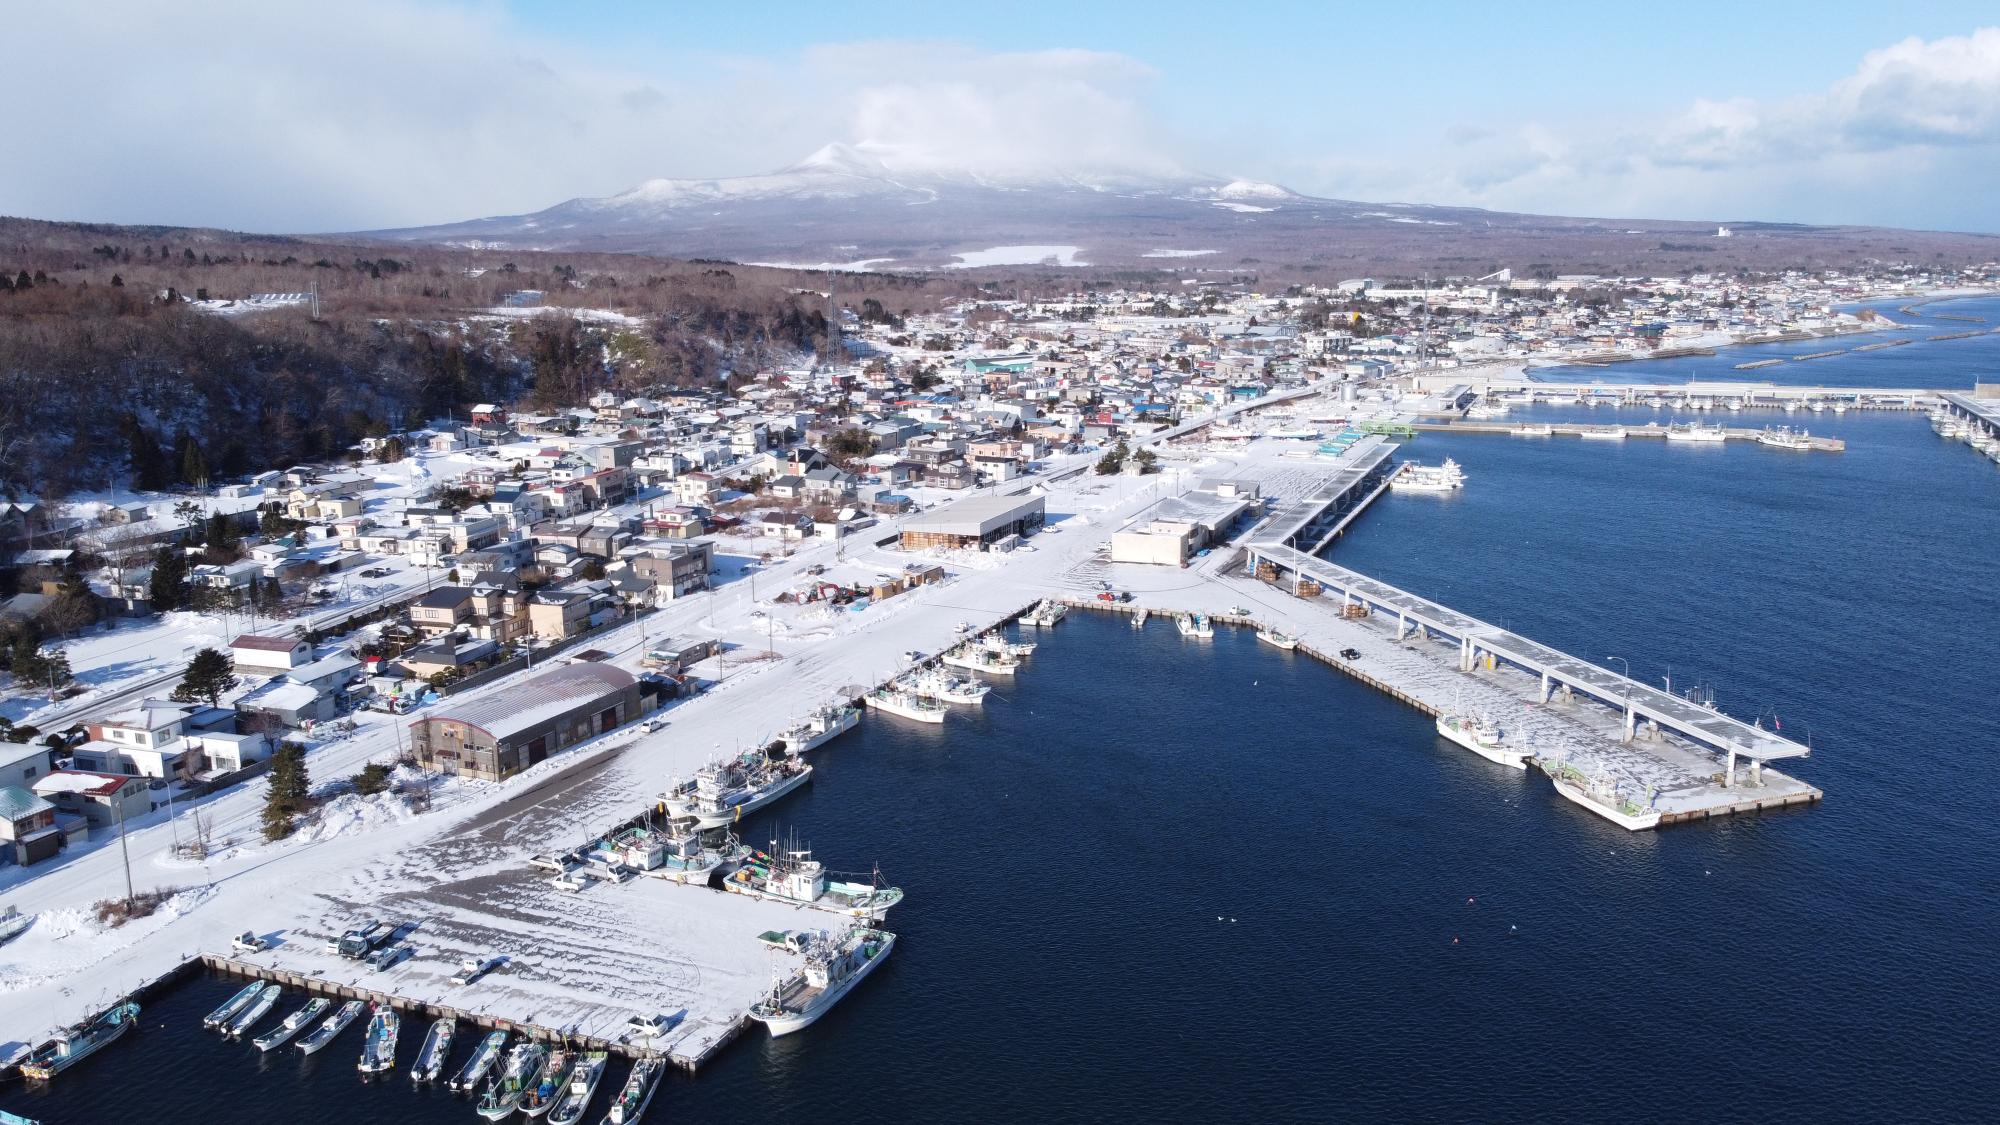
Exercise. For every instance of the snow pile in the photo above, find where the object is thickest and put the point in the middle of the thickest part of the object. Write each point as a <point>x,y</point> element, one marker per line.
<point>66,941</point>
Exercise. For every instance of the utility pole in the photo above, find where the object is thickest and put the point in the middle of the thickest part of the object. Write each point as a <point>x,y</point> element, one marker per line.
<point>118,798</point>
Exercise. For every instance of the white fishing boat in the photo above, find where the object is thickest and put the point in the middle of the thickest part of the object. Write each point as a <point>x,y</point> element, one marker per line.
<point>1485,409</point>
<point>435,1052</point>
<point>1696,432</point>
<point>1484,737</point>
<point>1784,437</point>
<point>1195,625</point>
<point>792,875</point>
<point>906,704</point>
<point>1278,640</point>
<point>994,642</point>
<point>77,1042</point>
<point>257,1009</point>
<point>637,1093</point>
<point>1047,614</point>
<point>1139,619</point>
<point>490,1051</point>
<point>292,1025</point>
<point>687,856</point>
<point>1413,477</point>
<point>935,683</point>
<point>336,1023</point>
<point>582,1087</point>
<point>1601,433</point>
<point>1535,429</point>
<point>541,1097</point>
<point>724,792</point>
<point>821,726</point>
<point>832,968</point>
<point>1840,408</point>
<point>219,1018</point>
<point>975,658</point>
<point>525,1064</point>
<point>1604,795</point>
<point>378,1044</point>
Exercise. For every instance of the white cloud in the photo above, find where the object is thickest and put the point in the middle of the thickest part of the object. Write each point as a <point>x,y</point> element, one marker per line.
<point>1912,138</point>
<point>376,113</point>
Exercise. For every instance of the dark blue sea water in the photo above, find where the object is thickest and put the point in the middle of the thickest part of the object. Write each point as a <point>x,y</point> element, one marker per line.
<point>1406,933</point>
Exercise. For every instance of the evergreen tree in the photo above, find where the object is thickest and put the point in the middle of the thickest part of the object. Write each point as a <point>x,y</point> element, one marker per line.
<point>222,533</point>
<point>167,591</point>
<point>208,675</point>
<point>149,467</point>
<point>290,790</point>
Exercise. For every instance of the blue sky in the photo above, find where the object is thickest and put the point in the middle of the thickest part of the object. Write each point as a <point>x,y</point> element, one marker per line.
<point>385,112</point>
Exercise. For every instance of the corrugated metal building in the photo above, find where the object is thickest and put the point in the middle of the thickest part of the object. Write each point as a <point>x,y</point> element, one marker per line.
<point>974,522</point>
<point>501,734</point>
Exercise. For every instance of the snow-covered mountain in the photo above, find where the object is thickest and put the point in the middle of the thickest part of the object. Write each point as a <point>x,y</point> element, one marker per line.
<point>896,208</point>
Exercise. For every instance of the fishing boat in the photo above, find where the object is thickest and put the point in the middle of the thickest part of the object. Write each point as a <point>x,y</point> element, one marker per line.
<point>1604,795</point>
<point>1275,639</point>
<point>77,1042</point>
<point>1139,619</point>
<point>792,875</point>
<point>490,1050</point>
<point>1413,477</point>
<point>525,1064</point>
<point>934,683</point>
<point>1484,409</point>
<point>906,704</point>
<point>582,1087</point>
<point>994,642</point>
<point>832,968</point>
<point>1696,432</point>
<point>637,1093</point>
<point>1047,614</point>
<point>541,1097</point>
<point>1784,437</point>
<point>1601,433</point>
<point>1483,737</point>
<point>820,727</point>
<point>292,1025</point>
<point>1533,429</point>
<point>435,1051</point>
<point>335,1024</point>
<point>689,857</point>
<point>724,792</point>
<point>378,1045</point>
<point>976,658</point>
<point>257,1009</point>
<point>219,1018</point>
<point>1196,625</point>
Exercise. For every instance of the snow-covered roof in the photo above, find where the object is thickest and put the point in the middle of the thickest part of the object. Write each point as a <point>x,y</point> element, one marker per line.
<point>538,700</point>
<point>82,781</point>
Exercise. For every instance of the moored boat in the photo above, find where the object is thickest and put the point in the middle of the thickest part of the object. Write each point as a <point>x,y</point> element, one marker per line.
<point>436,1050</point>
<point>292,1024</point>
<point>1604,795</point>
<point>792,875</point>
<point>541,1097</point>
<point>257,1009</point>
<point>934,683</point>
<point>977,658</point>
<point>637,1093</point>
<point>219,1018</point>
<point>77,1042</point>
<point>723,792</point>
<point>689,857</point>
<point>1484,738</point>
<point>1278,640</point>
<point>832,968</point>
<point>994,642</point>
<point>906,704</point>
<point>490,1051</point>
<point>582,1087</point>
<point>1784,437</point>
<point>1413,477</point>
<point>335,1024</point>
<point>378,1045</point>
<point>525,1064</point>
<point>1196,625</point>
<point>1696,432</point>
<point>820,727</point>
<point>1533,429</point>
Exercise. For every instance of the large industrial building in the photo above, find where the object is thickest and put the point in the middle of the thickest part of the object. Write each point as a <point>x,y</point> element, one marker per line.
<point>1173,530</point>
<point>978,521</point>
<point>501,734</point>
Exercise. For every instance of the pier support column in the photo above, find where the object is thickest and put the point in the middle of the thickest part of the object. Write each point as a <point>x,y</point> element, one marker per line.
<point>1756,773</point>
<point>1729,772</point>
<point>1543,695</point>
<point>1631,722</point>
<point>1402,625</point>
<point>1468,654</point>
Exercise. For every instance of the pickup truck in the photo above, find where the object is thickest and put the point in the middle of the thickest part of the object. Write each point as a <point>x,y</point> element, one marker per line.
<point>360,941</point>
<point>472,968</point>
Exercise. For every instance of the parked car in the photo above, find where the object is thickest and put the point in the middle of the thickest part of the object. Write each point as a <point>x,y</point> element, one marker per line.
<point>1350,654</point>
<point>648,1027</point>
<point>248,942</point>
<point>472,968</point>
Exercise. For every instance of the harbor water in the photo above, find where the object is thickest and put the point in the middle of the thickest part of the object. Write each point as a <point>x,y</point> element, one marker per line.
<point>1160,879</point>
